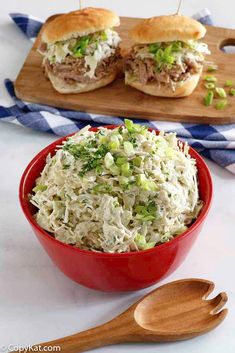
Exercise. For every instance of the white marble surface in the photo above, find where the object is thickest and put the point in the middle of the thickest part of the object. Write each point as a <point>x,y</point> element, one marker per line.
<point>37,302</point>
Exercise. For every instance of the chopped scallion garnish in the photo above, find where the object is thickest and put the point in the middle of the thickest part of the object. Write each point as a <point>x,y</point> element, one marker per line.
<point>222,103</point>
<point>208,99</point>
<point>209,85</point>
<point>212,68</point>
<point>39,187</point>
<point>153,48</point>
<point>229,83</point>
<point>210,78</point>
<point>232,91</point>
<point>220,92</point>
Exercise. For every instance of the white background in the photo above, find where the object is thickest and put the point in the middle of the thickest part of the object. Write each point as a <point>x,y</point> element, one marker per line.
<point>37,303</point>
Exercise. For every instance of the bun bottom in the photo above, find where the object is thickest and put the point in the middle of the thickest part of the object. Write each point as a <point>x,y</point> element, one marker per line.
<point>61,86</point>
<point>183,89</point>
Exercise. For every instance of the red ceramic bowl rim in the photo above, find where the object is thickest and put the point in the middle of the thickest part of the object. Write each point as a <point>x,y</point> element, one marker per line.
<point>33,223</point>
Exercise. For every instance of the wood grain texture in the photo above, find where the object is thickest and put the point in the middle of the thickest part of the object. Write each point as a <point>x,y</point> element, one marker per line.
<point>120,100</point>
<point>175,311</point>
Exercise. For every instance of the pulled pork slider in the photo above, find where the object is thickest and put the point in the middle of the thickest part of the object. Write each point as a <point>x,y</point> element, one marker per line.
<point>167,60</point>
<point>81,50</point>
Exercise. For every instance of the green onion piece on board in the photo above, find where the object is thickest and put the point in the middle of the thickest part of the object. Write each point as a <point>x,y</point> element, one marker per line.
<point>220,92</point>
<point>209,85</point>
<point>210,78</point>
<point>212,68</point>
<point>229,83</point>
<point>221,104</point>
<point>208,99</point>
<point>232,91</point>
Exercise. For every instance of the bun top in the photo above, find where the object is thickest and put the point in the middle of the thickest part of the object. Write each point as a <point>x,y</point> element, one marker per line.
<point>79,23</point>
<point>167,29</point>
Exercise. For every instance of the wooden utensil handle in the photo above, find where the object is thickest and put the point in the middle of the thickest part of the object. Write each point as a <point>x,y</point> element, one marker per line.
<point>96,337</point>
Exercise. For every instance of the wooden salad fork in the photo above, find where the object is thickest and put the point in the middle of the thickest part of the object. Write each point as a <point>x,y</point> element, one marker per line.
<point>175,311</point>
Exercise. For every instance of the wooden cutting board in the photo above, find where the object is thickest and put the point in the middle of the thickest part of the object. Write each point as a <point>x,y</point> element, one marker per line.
<point>120,100</point>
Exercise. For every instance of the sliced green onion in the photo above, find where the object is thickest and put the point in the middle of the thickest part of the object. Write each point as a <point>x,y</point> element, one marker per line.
<point>78,54</point>
<point>220,92</point>
<point>114,170</point>
<point>103,36</point>
<point>143,217</point>
<point>146,213</point>
<point>108,160</point>
<point>101,188</point>
<point>232,91</point>
<point>229,83</point>
<point>80,48</point>
<point>208,99</point>
<point>39,187</point>
<point>149,245</point>
<point>142,244</point>
<point>221,104</point>
<point>135,128</point>
<point>146,184</point>
<point>128,148</point>
<point>164,57</point>
<point>123,181</point>
<point>137,161</point>
<point>153,48</point>
<point>212,68</point>
<point>210,85</point>
<point>102,139</point>
<point>114,143</point>
<point>125,168</point>
<point>120,161</point>
<point>140,240</point>
<point>210,78</point>
<point>129,125</point>
<point>177,46</point>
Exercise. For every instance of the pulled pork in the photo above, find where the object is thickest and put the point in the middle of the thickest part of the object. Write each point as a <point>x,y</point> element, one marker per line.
<point>144,69</point>
<point>74,69</point>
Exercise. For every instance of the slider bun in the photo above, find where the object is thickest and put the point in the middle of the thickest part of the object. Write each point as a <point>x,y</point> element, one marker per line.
<point>167,29</point>
<point>79,23</point>
<point>61,86</point>
<point>181,90</point>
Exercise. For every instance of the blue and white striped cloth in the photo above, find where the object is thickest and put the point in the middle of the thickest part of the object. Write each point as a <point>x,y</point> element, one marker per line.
<point>214,142</point>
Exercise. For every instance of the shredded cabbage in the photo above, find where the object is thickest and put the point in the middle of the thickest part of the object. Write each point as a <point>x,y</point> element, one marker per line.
<point>120,190</point>
<point>170,53</point>
<point>92,48</point>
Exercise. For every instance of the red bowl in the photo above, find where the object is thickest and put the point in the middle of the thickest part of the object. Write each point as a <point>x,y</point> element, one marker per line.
<point>115,272</point>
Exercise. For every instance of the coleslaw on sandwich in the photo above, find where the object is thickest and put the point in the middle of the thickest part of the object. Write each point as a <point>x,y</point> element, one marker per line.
<point>119,190</point>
